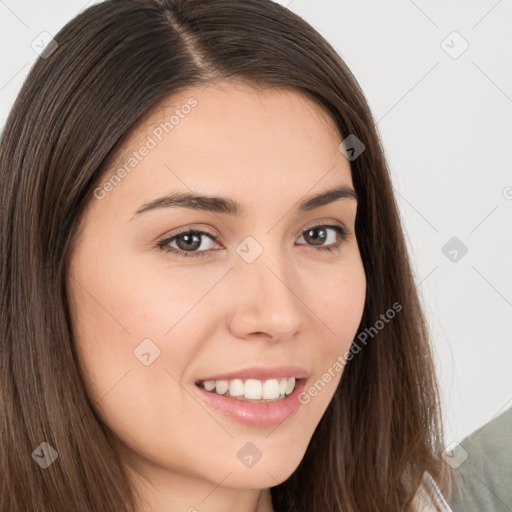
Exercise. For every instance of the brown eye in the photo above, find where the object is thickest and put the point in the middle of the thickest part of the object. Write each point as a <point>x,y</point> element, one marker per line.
<point>319,235</point>
<point>187,242</point>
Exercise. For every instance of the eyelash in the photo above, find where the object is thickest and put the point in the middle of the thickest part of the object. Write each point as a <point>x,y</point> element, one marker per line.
<point>340,230</point>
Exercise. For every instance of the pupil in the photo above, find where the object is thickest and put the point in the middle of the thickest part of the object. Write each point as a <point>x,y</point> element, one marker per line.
<point>193,239</point>
<point>319,239</point>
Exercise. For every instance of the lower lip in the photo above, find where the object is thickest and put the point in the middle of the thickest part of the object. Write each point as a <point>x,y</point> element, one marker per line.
<point>253,413</point>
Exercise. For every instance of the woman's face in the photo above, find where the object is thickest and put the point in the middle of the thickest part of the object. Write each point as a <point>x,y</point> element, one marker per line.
<point>254,294</point>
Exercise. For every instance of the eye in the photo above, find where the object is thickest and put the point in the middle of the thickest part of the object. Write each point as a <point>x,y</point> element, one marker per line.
<point>188,242</point>
<point>318,239</point>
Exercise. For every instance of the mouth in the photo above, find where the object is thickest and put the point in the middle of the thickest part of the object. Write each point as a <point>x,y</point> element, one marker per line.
<point>251,390</point>
<point>258,396</point>
<point>255,402</point>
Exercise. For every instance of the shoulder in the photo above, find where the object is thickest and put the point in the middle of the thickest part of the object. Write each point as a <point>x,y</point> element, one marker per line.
<point>484,468</point>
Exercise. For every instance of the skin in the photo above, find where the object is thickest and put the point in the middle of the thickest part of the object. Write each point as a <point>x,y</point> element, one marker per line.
<point>295,304</point>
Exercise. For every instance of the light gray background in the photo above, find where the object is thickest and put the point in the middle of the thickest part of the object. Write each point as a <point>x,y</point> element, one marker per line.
<point>445,121</point>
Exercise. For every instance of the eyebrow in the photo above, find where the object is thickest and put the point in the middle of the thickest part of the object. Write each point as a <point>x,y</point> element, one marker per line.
<point>230,207</point>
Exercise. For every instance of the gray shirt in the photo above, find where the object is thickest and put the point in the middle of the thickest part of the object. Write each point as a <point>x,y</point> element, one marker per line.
<point>484,477</point>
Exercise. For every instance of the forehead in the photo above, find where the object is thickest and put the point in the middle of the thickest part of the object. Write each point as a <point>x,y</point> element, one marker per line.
<point>257,145</point>
<point>237,115</point>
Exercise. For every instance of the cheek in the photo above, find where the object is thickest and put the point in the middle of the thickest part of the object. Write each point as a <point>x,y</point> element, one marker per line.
<point>340,309</point>
<point>122,300</point>
<point>123,309</point>
<point>155,299</point>
<point>341,305</point>
<point>118,317</point>
<point>116,308</point>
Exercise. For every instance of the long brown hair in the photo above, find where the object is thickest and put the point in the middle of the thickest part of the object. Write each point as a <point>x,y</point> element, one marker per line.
<point>114,62</point>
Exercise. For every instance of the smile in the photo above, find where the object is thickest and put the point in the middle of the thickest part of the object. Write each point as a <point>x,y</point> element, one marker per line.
<point>256,412</point>
<point>251,390</point>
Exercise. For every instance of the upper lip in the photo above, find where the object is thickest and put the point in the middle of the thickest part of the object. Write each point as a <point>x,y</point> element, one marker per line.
<point>262,373</point>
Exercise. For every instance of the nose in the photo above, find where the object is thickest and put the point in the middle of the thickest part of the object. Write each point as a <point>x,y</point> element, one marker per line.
<point>266,299</point>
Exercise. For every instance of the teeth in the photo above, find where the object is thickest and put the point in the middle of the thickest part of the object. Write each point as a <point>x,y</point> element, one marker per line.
<point>290,384</point>
<point>282,386</point>
<point>270,389</point>
<point>252,389</point>
<point>209,385</point>
<point>236,387</point>
<point>221,386</point>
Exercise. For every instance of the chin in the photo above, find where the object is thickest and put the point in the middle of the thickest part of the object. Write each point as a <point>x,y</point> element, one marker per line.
<point>269,471</point>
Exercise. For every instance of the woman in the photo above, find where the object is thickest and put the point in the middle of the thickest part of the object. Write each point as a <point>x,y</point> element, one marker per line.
<point>206,297</point>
